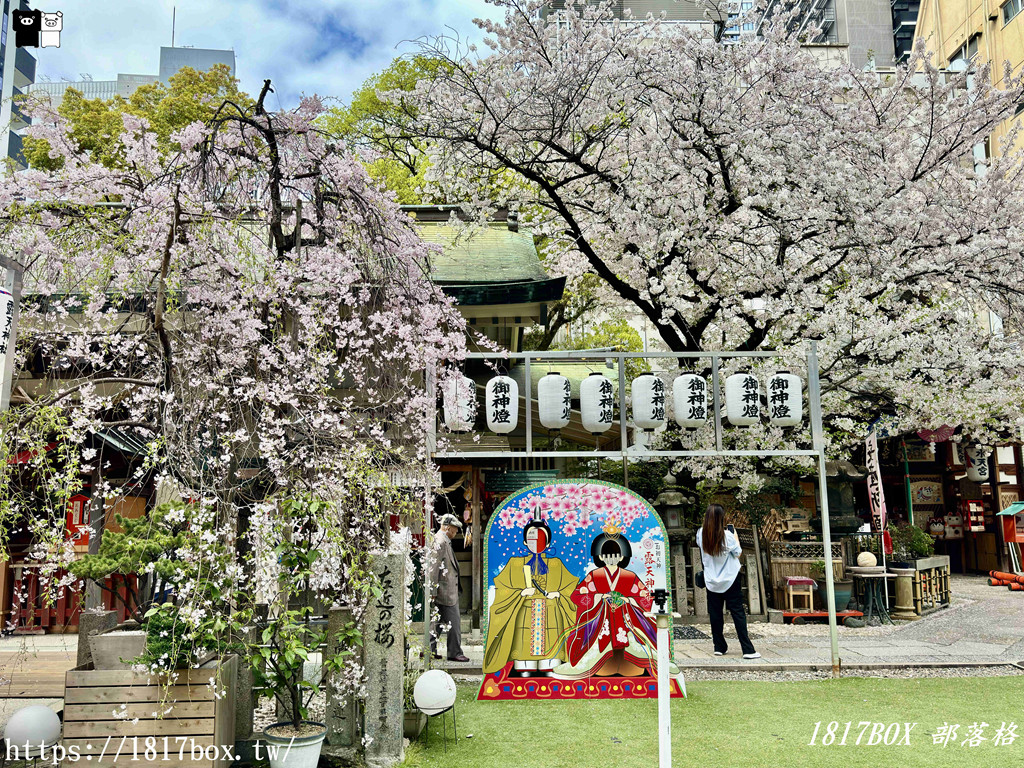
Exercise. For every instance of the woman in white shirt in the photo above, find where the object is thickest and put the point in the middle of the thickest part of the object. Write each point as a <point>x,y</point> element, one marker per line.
<point>720,553</point>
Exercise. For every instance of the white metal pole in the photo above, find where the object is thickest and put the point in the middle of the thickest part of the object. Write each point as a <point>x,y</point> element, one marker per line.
<point>885,586</point>
<point>428,521</point>
<point>818,437</point>
<point>428,505</point>
<point>664,693</point>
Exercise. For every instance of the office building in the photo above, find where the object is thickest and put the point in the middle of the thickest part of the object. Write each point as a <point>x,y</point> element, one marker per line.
<point>687,12</point>
<point>199,59</point>
<point>862,29</point>
<point>171,60</point>
<point>904,24</point>
<point>17,72</point>
<point>124,87</point>
<point>976,32</point>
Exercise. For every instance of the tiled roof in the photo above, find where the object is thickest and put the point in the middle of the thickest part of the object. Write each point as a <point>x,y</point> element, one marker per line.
<point>493,254</point>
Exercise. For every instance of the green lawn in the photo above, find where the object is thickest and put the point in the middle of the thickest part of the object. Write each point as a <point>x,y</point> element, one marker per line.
<point>743,724</point>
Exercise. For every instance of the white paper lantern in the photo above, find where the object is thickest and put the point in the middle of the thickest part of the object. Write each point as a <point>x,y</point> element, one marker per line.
<point>597,403</point>
<point>742,399</point>
<point>502,403</point>
<point>785,400</point>
<point>977,464</point>
<point>434,692</point>
<point>34,726</point>
<point>690,400</point>
<point>554,400</point>
<point>459,393</point>
<point>648,401</point>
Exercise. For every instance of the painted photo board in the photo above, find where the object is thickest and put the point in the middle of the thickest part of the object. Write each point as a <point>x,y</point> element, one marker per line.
<point>572,568</point>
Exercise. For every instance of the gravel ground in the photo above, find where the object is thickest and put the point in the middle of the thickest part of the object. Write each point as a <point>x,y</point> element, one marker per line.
<point>265,713</point>
<point>690,632</point>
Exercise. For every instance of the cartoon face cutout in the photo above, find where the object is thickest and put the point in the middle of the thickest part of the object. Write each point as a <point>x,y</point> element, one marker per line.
<point>537,536</point>
<point>611,559</point>
<point>536,540</point>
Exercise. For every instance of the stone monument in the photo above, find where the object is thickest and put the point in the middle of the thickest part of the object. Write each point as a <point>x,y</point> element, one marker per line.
<point>384,662</point>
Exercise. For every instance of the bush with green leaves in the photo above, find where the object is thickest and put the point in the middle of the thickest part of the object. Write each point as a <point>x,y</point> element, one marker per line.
<point>909,542</point>
<point>146,547</point>
<point>186,580</point>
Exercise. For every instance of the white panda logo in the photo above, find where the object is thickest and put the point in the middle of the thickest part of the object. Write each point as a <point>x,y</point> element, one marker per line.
<point>53,23</point>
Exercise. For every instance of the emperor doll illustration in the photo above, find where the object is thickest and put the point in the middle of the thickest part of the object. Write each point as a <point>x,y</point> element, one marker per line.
<point>531,609</point>
<point>572,567</point>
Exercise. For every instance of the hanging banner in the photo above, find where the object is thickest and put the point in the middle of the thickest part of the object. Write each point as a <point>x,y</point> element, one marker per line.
<point>6,345</point>
<point>875,493</point>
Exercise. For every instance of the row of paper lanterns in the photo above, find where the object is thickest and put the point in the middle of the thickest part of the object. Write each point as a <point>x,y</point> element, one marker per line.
<point>689,394</point>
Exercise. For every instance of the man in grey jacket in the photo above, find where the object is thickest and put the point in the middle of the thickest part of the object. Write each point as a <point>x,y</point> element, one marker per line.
<point>444,576</point>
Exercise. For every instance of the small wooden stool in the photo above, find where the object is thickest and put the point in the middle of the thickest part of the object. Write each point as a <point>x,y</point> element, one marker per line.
<point>799,587</point>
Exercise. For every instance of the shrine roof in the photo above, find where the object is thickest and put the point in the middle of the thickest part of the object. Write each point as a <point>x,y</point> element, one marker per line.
<point>489,255</point>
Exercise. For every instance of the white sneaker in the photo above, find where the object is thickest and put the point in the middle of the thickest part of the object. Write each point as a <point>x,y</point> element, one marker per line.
<point>754,655</point>
<point>719,653</point>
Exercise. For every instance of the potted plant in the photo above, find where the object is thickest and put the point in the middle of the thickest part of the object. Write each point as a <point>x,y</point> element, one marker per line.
<point>181,662</point>
<point>909,543</point>
<point>414,720</point>
<point>287,637</point>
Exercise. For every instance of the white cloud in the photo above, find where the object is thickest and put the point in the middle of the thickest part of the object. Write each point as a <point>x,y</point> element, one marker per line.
<point>303,46</point>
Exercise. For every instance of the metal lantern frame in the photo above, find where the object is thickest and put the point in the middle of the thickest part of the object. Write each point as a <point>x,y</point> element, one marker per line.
<point>619,359</point>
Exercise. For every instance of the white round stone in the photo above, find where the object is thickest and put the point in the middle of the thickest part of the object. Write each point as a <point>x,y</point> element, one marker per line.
<point>36,725</point>
<point>434,692</point>
<point>867,560</point>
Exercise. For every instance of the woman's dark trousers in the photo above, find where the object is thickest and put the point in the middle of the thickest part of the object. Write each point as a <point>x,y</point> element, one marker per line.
<point>733,599</point>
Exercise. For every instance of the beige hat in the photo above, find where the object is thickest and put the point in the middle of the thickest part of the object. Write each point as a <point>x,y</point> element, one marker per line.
<point>450,520</point>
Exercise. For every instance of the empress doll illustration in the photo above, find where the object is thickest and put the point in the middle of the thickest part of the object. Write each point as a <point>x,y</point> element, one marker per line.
<point>531,610</point>
<point>614,633</point>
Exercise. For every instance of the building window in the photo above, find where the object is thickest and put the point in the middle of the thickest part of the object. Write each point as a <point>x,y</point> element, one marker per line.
<point>969,50</point>
<point>733,31</point>
<point>1011,8</point>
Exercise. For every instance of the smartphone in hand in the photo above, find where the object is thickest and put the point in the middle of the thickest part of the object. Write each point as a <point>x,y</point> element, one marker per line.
<point>732,528</point>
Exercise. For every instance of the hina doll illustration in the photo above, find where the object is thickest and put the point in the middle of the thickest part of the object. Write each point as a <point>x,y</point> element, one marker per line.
<point>531,610</point>
<point>614,634</point>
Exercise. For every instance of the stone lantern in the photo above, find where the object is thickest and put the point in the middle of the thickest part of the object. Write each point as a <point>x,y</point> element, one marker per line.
<point>671,505</point>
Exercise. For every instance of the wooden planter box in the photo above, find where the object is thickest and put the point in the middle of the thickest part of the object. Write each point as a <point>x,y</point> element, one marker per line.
<point>197,719</point>
<point>931,583</point>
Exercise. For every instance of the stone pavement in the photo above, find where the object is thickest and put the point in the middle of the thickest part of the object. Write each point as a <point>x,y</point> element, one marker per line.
<point>984,625</point>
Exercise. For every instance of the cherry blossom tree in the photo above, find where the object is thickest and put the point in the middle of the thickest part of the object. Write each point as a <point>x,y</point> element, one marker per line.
<point>251,310</point>
<point>745,195</point>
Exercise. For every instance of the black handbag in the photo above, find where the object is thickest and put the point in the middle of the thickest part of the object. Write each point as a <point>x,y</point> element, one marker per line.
<point>698,579</point>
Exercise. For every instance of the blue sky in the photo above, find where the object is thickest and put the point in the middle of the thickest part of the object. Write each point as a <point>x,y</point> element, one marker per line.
<point>328,47</point>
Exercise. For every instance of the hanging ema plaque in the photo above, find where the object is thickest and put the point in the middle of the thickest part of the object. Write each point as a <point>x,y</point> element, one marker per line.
<point>571,572</point>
